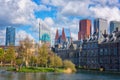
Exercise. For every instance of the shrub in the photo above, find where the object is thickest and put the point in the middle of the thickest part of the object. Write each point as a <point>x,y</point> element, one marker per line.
<point>68,64</point>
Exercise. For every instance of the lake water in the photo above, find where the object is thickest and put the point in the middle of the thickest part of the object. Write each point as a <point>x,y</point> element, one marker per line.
<point>81,75</point>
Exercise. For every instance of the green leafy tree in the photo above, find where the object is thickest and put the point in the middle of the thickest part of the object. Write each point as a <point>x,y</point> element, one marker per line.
<point>68,64</point>
<point>18,61</point>
<point>51,61</point>
<point>10,55</point>
<point>55,61</point>
<point>43,55</point>
<point>1,55</point>
<point>33,60</point>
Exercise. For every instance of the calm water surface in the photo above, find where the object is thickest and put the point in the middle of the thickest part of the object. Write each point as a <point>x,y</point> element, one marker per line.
<point>81,75</point>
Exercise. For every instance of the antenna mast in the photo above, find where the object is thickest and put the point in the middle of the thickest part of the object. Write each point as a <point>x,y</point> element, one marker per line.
<point>39,31</point>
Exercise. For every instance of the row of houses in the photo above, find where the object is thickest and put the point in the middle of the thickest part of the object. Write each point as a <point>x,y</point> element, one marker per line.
<point>94,54</point>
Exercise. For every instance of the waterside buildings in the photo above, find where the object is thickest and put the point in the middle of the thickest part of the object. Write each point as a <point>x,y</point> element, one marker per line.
<point>100,50</point>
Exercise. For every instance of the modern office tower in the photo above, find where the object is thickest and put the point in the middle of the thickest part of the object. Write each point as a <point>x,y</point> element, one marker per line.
<point>114,25</point>
<point>84,29</point>
<point>100,27</point>
<point>10,36</point>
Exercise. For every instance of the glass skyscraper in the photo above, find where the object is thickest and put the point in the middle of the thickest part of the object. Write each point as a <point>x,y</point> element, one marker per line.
<point>10,36</point>
<point>114,25</point>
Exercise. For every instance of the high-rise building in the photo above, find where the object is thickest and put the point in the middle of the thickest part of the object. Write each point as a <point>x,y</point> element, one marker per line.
<point>10,36</point>
<point>84,29</point>
<point>114,25</point>
<point>100,27</point>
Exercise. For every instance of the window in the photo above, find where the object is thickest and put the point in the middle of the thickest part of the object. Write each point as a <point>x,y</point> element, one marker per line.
<point>84,46</point>
<point>101,51</point>
<point>115,51</point>
<point>105,51</point>
<point>96,45</point>
<point>88,45</point>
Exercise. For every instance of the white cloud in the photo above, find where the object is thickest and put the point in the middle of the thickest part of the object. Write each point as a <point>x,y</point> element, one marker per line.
<point>109,13</point>
<point>18,12</point>
<point>106,2</point>
<point>57,3</point>
<point>20,35</point>
<point>76,8</point>
<point>44,8</point>
<point>74,36</point>
<point>49,21</point>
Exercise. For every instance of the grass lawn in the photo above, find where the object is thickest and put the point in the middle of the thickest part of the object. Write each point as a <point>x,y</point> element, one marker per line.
<point>36,69</point>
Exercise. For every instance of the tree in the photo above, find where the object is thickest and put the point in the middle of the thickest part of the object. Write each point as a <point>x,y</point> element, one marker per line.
<point>33,60</point>
<point>10,55</point>
<point>1,55</point>
<point>55,61</point>
<point>43,55</point>
<point>18,61</point>
<point>68,64</point>
<point>25,51</point>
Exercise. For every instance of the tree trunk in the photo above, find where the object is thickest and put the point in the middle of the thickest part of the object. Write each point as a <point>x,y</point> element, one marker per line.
<point>26,63</point>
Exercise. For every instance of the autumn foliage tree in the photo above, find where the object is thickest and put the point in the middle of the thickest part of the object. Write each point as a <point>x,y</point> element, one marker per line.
<point>68,64</point>
<point>55,61</point>
<point>43,55</point>
<point>1,55</point>
<point>10,55</point>
<point>25,51</point>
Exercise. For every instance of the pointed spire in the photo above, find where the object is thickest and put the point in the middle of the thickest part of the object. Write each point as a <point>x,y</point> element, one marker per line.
<point>57,35</point>
<point>63,35</point>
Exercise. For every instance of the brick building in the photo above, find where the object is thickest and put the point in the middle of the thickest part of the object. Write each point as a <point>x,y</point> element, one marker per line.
<point>84,29</point>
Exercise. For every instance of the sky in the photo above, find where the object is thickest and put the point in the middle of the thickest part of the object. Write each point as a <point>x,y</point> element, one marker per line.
<point>25,15</point>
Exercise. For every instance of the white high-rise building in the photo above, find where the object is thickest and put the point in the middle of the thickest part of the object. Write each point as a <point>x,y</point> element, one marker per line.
<point>100,27</point>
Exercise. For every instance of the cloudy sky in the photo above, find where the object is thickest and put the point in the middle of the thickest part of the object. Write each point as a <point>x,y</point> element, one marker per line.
<point>25,15</point>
